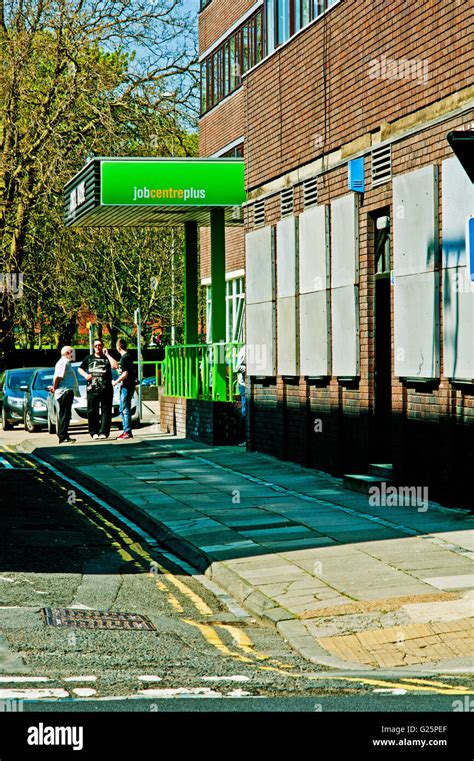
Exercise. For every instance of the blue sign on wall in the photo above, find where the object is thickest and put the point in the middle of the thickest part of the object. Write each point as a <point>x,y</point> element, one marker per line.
<point>470,246</point>
<point>355,175</point>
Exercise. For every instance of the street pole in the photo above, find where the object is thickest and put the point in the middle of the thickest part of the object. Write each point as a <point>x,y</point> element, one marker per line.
<point>91,337</point>
<point>137,321</point>
<point>173,274</point>
<point>172,96</point>
<point>173,296</point>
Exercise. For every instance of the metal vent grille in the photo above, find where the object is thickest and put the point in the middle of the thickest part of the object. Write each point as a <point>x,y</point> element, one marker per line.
<point>259,213</point>
<point>381,165</point>
<point>310,192</point>
<point>287,202</point>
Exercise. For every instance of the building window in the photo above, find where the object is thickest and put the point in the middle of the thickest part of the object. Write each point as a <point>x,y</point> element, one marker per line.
<point>222,70</point>
<point>235,303</point>
<point>283,18</point>
<point>270,25</point>
<point>235,309</point>
<point>237,152</point>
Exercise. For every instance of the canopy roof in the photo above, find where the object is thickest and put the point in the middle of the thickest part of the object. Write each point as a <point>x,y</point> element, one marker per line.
<point>149,192</point>
<point>462,143</point>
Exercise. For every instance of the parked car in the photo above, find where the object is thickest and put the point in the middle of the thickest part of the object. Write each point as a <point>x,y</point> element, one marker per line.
<point>13,385</point>
<point>79,405</point>
<point>149,381</point>
<point>36,397</point>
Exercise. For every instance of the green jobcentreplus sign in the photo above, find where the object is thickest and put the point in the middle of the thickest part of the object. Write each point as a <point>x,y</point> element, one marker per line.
<point>172,183</point>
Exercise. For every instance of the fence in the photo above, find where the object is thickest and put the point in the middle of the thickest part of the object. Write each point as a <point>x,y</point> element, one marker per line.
<point>195,371</point>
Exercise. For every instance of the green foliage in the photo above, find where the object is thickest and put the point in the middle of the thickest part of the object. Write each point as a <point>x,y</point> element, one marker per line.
<point>77,80</point>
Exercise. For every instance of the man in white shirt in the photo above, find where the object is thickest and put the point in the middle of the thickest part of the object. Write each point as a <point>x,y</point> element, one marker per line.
<point>65,387</point>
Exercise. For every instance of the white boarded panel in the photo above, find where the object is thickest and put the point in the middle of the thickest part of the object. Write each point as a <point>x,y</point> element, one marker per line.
<point>344,241</point>
<point>345,331</point>
<point>286,257</point>
<point>458,324</point>
<point>287,336</point>
<point>314,249</point>
<point>416,310</point>
<point>314,334</point>
<point>457,204</point>
<point>261,355</point>
<point>415,234</point>
<point>259,266</point>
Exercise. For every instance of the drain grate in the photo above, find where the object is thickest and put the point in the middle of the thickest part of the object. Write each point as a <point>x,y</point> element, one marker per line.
<point>96,619</point>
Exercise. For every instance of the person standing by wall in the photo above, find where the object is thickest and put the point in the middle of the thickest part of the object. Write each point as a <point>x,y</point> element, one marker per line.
<point>97,370</point>
<point>65,387</point>
<point>127,379</point>
<point>241,368</point>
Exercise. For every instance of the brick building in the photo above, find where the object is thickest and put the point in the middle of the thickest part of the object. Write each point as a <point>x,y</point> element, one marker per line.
<point>359,307</point>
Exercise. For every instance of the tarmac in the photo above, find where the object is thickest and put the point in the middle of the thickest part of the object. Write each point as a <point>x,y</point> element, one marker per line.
<point>347,583</point>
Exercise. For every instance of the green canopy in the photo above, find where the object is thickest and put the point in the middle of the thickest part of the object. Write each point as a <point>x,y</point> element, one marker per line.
<point>148,192</point>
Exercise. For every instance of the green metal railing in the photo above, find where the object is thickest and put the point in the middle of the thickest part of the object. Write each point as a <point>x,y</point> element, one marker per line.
<point>202,371</point>
<point>158,368</point>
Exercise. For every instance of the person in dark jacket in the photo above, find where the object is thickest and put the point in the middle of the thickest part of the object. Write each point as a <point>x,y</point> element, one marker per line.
<point>97,370</point>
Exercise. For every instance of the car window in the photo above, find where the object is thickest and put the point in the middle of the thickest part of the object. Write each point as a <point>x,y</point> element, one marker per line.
<point>43,380</point>
<point>19,378</point>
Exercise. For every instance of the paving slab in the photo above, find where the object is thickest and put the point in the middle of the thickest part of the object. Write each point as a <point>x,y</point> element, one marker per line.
<point>295,547</point>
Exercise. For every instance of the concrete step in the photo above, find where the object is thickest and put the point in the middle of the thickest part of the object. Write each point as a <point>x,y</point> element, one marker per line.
<point>362,484</point>
<point>384,470</point>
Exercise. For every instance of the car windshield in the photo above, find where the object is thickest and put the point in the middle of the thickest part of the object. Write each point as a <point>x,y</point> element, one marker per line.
<point>18,379</point>
<point>43,379</point>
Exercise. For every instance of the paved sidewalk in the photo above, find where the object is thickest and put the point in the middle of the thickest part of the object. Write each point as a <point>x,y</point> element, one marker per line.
<point>348,584</point>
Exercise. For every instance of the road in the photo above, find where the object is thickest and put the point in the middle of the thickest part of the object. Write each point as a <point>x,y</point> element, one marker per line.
<point>61,548</point>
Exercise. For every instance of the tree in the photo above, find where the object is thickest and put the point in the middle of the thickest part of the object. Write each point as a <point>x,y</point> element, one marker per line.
<point>78,79</point>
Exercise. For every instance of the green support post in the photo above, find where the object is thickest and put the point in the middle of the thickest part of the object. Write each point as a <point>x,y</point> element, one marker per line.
<point>219,383</point>
<point>190,283</point>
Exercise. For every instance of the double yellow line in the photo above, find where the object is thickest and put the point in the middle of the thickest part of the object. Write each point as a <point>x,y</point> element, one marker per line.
<point>132,551</point>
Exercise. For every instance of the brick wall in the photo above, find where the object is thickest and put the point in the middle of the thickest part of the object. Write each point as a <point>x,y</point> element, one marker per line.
<point>234,250</point>
<point>223,124</point>
<point>173,415</point>
<point>214,423</point>
<point>316,93</point>
<point>216,19</point>
<point>327,424</point>
<point>432,427</point>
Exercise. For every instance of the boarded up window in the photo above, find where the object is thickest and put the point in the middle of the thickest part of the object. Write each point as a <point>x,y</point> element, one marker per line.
<point>314,291</point>
<point>344,286</point>
<point>416,288</point>
<point>260,309</point>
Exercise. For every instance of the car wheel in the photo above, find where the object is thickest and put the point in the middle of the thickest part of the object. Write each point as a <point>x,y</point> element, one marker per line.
<point>5,424</point>
<point>51,426</point>
<point>29,425</point>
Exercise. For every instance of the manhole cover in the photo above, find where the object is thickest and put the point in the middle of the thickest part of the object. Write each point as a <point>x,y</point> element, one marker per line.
<point>96,619</point>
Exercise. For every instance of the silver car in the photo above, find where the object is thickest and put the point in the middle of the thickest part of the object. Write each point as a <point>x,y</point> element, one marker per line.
<point>79,405</point>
